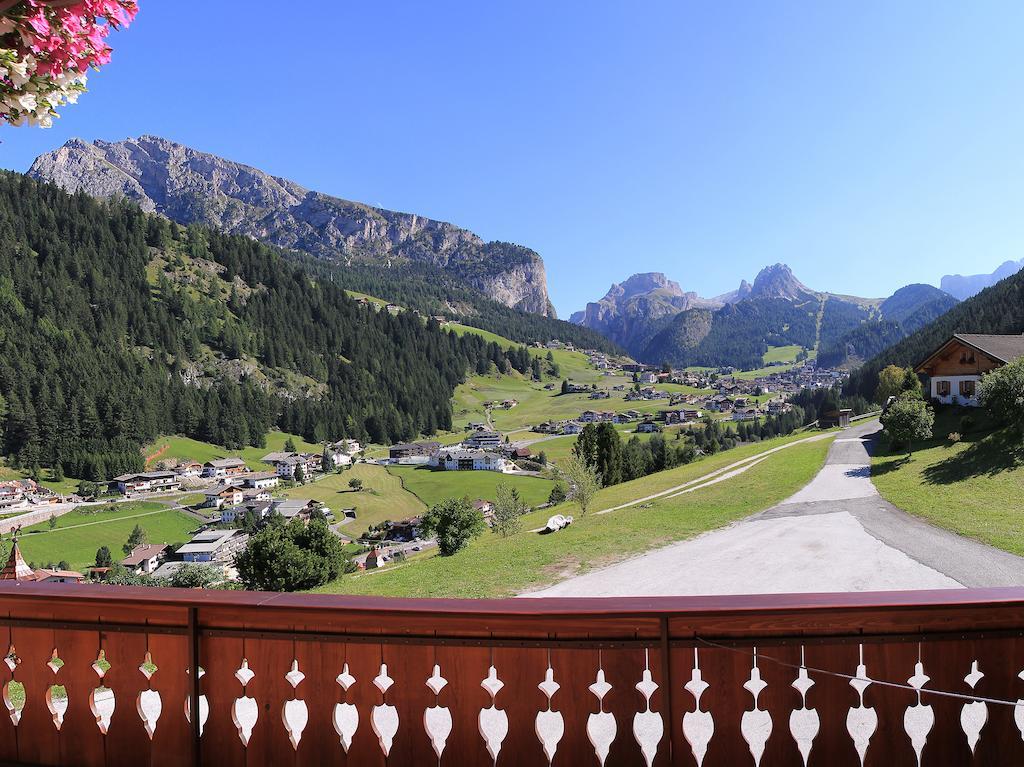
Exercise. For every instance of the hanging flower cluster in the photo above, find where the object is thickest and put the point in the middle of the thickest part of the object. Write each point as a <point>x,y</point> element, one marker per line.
<point>46,46</point>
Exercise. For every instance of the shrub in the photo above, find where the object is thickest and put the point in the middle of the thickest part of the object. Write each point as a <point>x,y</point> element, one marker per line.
<point>954,437</point>
<point>966,424</point>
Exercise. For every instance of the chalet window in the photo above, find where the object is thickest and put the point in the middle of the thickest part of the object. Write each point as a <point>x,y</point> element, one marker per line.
<point>967,388</point>
<point>942,388</point>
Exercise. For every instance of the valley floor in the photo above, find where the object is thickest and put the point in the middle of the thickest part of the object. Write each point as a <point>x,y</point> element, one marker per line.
<point>835,534</point>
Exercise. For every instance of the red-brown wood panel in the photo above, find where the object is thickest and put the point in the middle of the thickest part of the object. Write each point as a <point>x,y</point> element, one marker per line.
<point>1001,660</point>
<point>409,667</point>
<point>38,741</point>
<point>623,669</point>
<point>464,668</point>
<point>220,658</point>
<point>832,697</point>
<point>270,660</point>
<point>321,663</point>
<point>521,670</point>
<point>81,742</point>
<point>8,732</point>
<point>172,741</point>
<point>364,662</point>
<point>574,671</point>
<point>891,662</point>
<point>127,740</point>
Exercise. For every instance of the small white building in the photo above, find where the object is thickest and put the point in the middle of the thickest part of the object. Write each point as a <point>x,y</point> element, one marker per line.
<point>144,559</point>
<point>223,495</point>
<point>213,546</point>
<point>474,460</point>
<point>224,467</point>
<point>146,482</point>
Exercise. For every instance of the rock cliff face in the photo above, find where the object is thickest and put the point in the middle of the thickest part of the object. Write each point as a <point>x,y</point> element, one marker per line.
<point>629,309</point>
<point>189,186</point>
<point>963,287</point>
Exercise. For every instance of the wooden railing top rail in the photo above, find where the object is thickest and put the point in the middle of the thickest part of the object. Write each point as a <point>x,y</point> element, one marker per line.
<point>776,615</point>
<point>547,606</point>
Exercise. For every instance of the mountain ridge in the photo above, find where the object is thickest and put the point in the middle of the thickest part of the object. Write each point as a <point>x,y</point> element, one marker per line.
<point>189,186</point>
<point>657,321</point>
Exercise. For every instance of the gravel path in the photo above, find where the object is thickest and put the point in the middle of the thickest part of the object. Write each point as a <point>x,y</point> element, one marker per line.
<point>835,534</point>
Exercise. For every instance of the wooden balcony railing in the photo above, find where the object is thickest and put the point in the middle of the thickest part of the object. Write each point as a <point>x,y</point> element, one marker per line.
<point>107,676</point>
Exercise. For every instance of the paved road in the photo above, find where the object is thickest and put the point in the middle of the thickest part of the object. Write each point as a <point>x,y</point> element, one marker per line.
<point>835,534</point>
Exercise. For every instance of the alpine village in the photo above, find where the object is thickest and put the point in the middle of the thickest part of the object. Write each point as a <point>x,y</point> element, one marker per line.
<point>291,479</point>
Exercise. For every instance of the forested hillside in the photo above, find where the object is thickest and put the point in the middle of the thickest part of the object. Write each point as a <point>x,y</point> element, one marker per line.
<point>117,326</point>
<point>434,291</point>
<point>999,309</point>
<point>738,334</point>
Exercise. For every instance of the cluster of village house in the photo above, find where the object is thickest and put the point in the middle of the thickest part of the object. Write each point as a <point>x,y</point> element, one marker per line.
<point>229,480</point>
<point>18,494</point>
<point>725,394</point>
<point>483,450</point>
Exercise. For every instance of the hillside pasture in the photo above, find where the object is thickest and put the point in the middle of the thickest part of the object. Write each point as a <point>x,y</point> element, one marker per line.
<point>432,486</point>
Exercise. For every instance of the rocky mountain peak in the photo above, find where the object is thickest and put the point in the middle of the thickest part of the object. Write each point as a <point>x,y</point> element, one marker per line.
<point>190,186</point>
<point>777,281</point>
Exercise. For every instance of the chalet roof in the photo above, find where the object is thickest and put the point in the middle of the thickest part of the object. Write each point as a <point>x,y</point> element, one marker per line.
<point>1004,348</point>
<point>141,553</point>
<point>223,490</point>
<point>43,573</point>
<point>225,463</point>
<point>17,568</point>
<point>145,475</point>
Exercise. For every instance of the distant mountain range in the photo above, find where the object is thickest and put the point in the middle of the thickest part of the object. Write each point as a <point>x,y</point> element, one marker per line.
<point>962,287</point>
<point>193,187</point>
<point>998,309</point>
<point>656,320</point>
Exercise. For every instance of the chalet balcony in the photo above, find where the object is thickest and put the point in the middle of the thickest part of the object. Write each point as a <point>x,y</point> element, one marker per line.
<point>124,676</point>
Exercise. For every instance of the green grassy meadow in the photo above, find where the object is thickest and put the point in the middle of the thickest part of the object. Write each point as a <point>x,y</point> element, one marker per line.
<point>973,487</point>
<point>185,448</point>
<point>381,498</point>
<point>434,486</point>
<point>80,533</point>
<point>492,566</point>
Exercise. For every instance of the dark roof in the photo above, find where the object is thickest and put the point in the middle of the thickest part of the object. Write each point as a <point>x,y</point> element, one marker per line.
<point>1004,348</point>
<point>141,553</point>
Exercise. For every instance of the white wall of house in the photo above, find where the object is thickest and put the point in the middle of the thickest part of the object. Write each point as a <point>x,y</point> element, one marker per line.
<point>954,397</point>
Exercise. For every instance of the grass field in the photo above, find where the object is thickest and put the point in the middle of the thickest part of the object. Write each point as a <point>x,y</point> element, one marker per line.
<point>781,354</point>
<point>80,533</point>
<point>973,487</point>
<point>434,486</point>
<point>493,567</point>
<point>381,498</point>
<point>182,448</point>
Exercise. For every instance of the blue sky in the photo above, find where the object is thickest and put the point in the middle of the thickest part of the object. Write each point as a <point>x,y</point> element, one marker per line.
<point>867,145</point>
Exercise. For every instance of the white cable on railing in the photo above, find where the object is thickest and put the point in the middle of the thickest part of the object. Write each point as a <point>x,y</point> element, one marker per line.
<point>899,685</point>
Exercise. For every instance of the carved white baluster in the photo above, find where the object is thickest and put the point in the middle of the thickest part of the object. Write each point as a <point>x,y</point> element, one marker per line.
<point>861,721</point>
<point>204,705</point>
<point>384,717</point>
<point>56,696</point>
<point>437,720</point>
<point>245,712</point>
<point>756,724</point>
<point>974,714</point>
<point>493,722</point>
<point>601,726</point>
<point>918,719</point>
<point>698,726</point>
<point>12,687</point>
<point>648,728</point>
<point>346,715</point>
<point>803,722</point>
<point>148,704</point>
<point>101,699</point>
<point>294,714</point>
<point>549,725</point>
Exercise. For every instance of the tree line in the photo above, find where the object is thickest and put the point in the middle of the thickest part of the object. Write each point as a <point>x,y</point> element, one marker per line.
<point>117,326</point>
